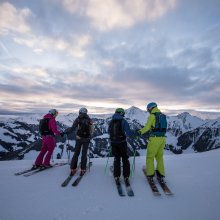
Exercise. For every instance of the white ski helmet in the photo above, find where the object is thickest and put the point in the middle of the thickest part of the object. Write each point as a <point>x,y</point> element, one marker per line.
<point>83,111</point>
<point>53,112</point>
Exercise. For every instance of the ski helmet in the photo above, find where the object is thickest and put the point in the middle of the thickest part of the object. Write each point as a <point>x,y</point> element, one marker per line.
<point>83,111</point>
<point>53,112</point>
<point>151,105</point>
<point>121,111</point>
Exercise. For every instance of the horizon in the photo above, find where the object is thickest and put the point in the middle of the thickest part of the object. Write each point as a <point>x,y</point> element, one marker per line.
<point>199,114</point>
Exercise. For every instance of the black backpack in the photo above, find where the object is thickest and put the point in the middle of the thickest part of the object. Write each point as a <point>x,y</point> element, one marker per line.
<point>44,127</point>
<point>115,130</point>
<point>84,127</point>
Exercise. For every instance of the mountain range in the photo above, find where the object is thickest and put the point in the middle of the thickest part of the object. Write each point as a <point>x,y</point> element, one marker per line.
<point>19,136</point>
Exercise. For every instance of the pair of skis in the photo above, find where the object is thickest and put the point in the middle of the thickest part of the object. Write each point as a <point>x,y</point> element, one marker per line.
<point>120,189</point>
<point>77,180</point>
<point>154,187</point>
<point>32,171</point>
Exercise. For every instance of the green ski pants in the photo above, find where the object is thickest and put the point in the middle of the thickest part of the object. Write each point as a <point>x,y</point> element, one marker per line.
<point>155,149</point>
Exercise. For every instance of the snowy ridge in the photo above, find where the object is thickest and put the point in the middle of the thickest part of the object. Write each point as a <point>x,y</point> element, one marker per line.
<point>193,178</point>
<point>186,133</point>
<point>137,114</point>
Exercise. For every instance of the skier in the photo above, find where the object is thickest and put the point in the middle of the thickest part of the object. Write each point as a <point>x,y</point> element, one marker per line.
<point>118,130</point>
<point>84,126</point>
<point>48,129</point>
<point>156,143</point>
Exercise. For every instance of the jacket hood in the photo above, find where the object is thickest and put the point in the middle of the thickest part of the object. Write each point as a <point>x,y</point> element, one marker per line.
<point>48,116</point>
<point>117,116</point>
<point>154,110</point>
<point>83,115</point>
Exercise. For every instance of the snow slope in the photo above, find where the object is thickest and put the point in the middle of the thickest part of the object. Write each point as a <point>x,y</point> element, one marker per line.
<point>194,178</point>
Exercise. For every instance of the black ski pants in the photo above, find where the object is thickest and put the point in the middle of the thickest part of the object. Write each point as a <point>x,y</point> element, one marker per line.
<point>84,144</point>
<point>119,151</point>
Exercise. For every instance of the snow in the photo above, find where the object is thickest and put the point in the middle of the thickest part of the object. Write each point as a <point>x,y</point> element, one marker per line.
<point>7,138</point>
<point>194,179</point>
<point>185,122</point>
<point>137,114</point>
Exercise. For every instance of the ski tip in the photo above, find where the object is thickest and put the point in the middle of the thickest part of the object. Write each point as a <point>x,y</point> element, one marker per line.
<point>131,194</point>
<point>169,194</point>
<point>157,194</point>
<point>122,195</point>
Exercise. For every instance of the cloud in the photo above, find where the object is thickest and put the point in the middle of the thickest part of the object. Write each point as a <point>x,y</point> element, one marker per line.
<point>12,19</point>
<point>104,54</point>
<point>75,46</point>
<point>109,14</point>
<point>171,87</point>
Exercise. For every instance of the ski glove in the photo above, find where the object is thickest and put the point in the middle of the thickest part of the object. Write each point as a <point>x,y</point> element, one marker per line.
<point>138,133</point>
<point>62,134</point>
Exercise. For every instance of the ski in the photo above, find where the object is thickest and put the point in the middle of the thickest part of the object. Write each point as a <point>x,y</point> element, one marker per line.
<point>119,187</point>
<point>68,179</point>
<point>165,188</point>
<point>26,171</point>
<point>129,190</point>
<point>152,184</point>
<point>43,168</point>
<point>78,179</point>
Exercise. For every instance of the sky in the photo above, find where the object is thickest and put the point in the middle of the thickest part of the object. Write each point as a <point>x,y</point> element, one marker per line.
<point>68,54</point>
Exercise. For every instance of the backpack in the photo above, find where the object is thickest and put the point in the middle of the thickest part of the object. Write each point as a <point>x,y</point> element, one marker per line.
<point>84,127</point>
<point>44,127</point>
<point>115,130</point>
<point>160,124</point>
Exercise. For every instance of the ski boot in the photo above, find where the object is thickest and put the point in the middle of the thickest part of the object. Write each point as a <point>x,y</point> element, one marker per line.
<point>73,172</point>
<point>34,167</point>
<point>160,177</point>
<point>82,172</point>
<point>127,183</point>
<point>117,180</point>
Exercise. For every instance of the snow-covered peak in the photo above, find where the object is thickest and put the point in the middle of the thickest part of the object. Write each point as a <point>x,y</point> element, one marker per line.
<point>137,114</point>
<point>183,115</point>
<point>185,122</point>
<point>188,118</point>
<point>29,119</point>
<point>67,119</point>
<point>215,123</point>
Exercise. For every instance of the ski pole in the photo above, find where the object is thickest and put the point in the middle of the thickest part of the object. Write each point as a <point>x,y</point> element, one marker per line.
<point>89,155</point>
<point>133,164</point>
<point>52,158</point>
<point>109,153</point>
<point>68,152</point>
<point>67,146</point>
<point>61,153</point>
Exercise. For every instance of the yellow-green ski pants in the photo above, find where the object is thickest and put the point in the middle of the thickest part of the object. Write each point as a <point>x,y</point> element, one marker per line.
<point>155,149</point>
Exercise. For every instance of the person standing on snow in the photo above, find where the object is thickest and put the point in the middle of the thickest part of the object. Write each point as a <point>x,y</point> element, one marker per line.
<point>156,142</point>
<point>118,130</point>
<point>84,126</point>
<point>48,129</point>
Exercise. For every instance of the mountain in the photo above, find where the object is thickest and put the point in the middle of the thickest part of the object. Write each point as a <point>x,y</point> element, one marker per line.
<point>193,178</point>
<point>19,137</point>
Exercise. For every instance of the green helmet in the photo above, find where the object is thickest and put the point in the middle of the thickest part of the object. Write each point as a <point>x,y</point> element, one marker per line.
<point>121,111</point>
